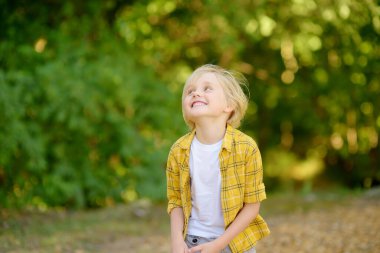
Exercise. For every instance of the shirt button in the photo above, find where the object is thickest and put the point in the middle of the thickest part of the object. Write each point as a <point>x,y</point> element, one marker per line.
<point>195,240</point>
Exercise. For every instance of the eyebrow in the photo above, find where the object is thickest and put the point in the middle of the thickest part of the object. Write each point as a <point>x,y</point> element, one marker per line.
<point>205,82</point>
<point>188,87</point>
<point>191,85</point>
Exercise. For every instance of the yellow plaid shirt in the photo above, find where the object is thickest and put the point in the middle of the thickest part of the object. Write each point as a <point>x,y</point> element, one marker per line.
<point>242,182</point>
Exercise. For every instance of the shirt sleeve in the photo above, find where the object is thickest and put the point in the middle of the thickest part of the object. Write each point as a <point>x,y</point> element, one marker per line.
<point>173,183</point>
<point>254,185</point>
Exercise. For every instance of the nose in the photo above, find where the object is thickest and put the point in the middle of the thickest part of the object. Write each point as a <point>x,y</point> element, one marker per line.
<point>196,93</point>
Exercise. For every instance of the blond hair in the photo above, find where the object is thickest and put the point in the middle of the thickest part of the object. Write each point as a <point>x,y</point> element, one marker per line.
<point>232,83</point>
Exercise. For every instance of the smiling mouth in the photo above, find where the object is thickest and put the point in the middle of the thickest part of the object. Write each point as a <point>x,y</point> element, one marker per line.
<point>198,103</point>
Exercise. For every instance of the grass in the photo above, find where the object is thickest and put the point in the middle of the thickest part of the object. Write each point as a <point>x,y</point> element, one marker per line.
<point>79,231</point>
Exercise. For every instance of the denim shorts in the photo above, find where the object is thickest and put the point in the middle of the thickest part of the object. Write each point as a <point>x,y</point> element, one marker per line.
<point>193,240</point>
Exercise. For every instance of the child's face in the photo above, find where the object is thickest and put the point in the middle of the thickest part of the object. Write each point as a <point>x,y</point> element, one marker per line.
<point>205,98</point>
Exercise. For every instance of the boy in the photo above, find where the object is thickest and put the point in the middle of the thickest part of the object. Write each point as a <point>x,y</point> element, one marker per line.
<point>214,173</point>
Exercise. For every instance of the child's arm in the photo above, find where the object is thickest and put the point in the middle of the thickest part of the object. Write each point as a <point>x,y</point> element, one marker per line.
<point>176,227</point>
<point>175,206</point>
<point>247,214</point>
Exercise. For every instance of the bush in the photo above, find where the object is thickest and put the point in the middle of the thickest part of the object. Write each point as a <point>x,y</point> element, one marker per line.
<point>84,128</point>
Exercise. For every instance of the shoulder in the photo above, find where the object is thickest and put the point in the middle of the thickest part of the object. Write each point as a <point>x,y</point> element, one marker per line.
<point>183,142</point>
<point>243,140</point>
<point>179,148</point>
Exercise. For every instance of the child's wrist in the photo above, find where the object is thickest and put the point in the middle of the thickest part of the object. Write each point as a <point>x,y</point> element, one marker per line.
<point>220,243</point>
<point>177,237</point>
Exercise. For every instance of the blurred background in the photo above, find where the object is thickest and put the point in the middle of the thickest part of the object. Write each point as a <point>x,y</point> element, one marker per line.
<point>90,103</point>
<point>90,93</point>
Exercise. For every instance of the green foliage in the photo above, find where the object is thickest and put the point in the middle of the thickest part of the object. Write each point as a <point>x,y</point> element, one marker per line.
<point>90,92</point>
<point>78,125</point>
<point>313,68</point>
<point>81,123</point>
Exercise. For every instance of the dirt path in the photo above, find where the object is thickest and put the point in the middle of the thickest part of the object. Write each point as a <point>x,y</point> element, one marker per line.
<point>332,223</point>
<point>350,226</point>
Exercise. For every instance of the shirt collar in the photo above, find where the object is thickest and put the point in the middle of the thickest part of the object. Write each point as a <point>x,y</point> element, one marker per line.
<point>185,143</point>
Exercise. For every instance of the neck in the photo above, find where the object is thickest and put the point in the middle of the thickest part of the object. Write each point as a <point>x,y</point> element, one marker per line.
<point>210,133</point>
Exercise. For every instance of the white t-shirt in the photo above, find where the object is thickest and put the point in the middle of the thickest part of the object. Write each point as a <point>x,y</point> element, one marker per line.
<point>206,218</point>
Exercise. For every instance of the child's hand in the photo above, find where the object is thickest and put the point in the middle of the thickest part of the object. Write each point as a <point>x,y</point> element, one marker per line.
<point>209,247</point>
<point>179,247</point>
